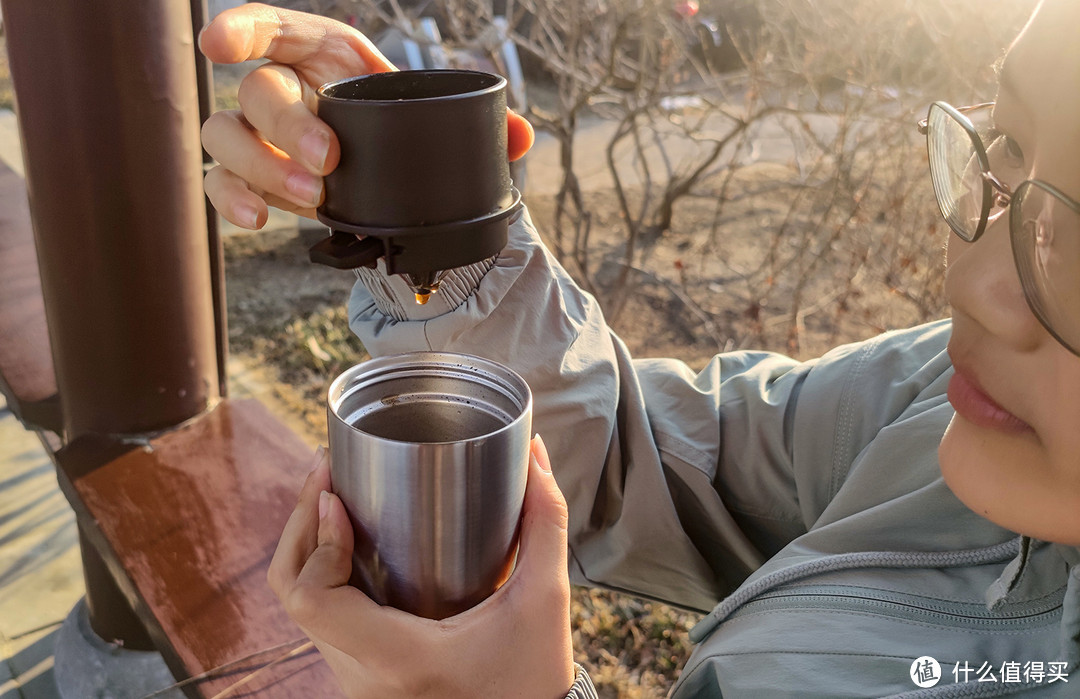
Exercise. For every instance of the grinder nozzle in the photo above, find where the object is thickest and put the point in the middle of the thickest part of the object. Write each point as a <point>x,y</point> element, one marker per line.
<point>425,284</point>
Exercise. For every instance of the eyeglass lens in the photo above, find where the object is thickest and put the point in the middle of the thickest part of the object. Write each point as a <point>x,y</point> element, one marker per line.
<point>956,172</point>
<point>1046,245</point>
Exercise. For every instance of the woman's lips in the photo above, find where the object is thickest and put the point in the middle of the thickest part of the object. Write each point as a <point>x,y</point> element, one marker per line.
<point>977,407</point>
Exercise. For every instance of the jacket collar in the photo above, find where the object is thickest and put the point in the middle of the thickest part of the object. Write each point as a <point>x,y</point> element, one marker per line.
<point>1009,586</point>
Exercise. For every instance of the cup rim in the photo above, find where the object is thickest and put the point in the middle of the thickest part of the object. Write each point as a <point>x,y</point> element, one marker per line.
<point>506,378</point>
<point>499,84</point>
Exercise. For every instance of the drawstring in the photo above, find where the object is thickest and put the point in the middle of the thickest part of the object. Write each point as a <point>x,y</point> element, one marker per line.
<point>848,561</point>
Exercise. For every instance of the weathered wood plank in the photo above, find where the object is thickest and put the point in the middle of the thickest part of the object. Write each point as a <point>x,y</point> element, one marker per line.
<point>187,524</point>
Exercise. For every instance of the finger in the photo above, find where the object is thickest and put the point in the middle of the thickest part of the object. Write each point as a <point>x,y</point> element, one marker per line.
<point>322,48</point>
<point>538,450</point>
<point>230,195</point>
<point>300,536</point>
<point>333,612</point>
<point>242,206</point>
<point>542,551</point>
<point>327,569</point>
<point>281,107</point>
<point>330,564</point>
<point>227,188</point>
<point>264,166</point>
<point>519,135</point>
<point>279,203</point>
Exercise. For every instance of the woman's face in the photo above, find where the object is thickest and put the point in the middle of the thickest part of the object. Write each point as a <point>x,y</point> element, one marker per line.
<point>1012,453</point>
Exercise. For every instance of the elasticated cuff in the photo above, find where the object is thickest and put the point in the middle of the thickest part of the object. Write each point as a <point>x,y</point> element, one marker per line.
<point>583,686</point>
<point>394,299</point>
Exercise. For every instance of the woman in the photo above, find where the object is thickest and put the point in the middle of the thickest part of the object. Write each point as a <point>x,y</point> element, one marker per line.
<point>898,514</point>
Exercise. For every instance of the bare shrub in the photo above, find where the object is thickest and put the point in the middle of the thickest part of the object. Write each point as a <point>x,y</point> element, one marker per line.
<point>830,92</point>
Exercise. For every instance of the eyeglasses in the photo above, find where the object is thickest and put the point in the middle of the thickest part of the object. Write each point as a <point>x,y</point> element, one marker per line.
<point>978,174</point>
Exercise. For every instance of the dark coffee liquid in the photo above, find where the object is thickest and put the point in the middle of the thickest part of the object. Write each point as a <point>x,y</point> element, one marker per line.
<point>429,421</point>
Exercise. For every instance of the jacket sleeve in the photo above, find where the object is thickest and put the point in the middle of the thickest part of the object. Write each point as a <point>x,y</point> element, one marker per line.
<point>678,484</point>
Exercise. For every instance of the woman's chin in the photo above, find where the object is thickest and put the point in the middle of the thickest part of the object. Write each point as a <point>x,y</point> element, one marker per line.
<point>1010,481</point>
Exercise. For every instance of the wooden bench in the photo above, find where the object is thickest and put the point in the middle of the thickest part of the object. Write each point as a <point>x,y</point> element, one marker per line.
<point>188,524</point>
<point>187,521</point>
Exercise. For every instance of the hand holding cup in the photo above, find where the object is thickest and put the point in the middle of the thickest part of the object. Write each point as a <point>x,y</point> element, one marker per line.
<point>273,150</point>
<point>515,643</point>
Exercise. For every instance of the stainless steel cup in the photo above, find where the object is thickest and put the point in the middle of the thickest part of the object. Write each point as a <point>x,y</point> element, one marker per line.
<point>429,452</point>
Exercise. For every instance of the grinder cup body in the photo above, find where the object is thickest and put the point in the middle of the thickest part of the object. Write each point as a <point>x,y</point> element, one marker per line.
<point>429,453</point>
<point>423,177</point>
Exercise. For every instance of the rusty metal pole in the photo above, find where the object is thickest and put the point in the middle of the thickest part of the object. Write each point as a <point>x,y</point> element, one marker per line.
<point>204,75</point>
<point>111,617</point>
<point>108,111</point>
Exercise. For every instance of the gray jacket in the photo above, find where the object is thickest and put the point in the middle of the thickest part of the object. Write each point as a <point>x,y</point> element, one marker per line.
<point>801,503</point>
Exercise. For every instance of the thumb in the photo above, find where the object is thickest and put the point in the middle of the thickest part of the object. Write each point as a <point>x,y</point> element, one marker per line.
<point>328,609</point>
<point>330,564</point>
<point>519,135</point>
<point>544,519</point>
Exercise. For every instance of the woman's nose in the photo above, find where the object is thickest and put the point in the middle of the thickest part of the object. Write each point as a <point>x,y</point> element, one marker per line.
<point>983,284</point>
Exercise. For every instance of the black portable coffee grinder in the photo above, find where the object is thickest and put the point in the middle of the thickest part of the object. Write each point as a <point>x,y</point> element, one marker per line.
<point>423,181</point>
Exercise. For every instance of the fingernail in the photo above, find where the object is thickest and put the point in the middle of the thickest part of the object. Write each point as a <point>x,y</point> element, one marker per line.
<point>246,215</point>
<point>307,188</point>
<point>324,504</point>
<point>314,146</point>
<point>540,454</point>
<point>319,453</point>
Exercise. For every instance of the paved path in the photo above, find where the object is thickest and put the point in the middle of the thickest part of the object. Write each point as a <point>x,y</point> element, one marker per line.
<point>40,570</point>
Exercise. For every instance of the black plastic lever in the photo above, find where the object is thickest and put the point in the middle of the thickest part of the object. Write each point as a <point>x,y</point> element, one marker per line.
<point>345,251</point>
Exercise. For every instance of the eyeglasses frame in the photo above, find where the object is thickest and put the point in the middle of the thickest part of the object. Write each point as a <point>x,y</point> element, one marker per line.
<point>997,193</point>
